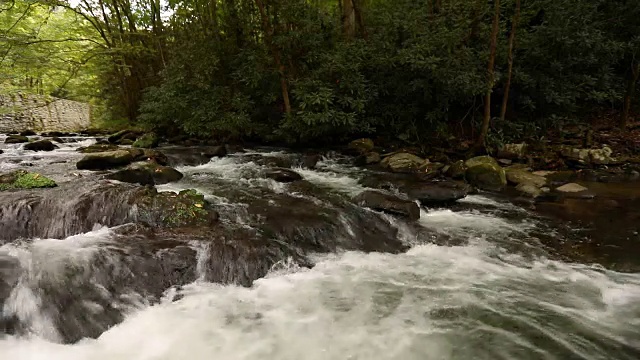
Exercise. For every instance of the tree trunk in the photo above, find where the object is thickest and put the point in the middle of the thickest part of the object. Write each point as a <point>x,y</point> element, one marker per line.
<point>357,10</point>
<point>512,38</point>
<point>631,89</point>
<point>491,75</point>
<point>268,30</point>
<point>348,19</point>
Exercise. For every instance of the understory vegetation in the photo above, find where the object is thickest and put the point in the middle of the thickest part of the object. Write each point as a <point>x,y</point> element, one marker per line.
<point>322,71</point>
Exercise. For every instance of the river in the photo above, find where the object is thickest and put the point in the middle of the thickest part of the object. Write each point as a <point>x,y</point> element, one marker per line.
<point>480,279</point>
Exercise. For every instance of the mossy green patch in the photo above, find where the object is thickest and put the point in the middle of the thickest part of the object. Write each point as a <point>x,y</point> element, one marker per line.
<point>187,208</point>
<point>25,180</point>
<point>147,141</point>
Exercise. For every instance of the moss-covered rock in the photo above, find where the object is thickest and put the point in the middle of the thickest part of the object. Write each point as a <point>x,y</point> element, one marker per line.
<point>403,162</point>
<point>361,146</point>
<point>168,209</point>
<point>521,176</point>
<point>121,136</point>
<point>96,148</point>
<point>25,180</point>
<point>106,160</point>
<point>485,173</point>
<point>456,170</point>
<point>147,173</point>
<point>147,141</point>
<point>16,139</point>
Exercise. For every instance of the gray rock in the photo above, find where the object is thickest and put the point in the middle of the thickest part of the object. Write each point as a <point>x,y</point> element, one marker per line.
<point>282,175</point>
<point>40,145</point>
<point>571,188</point>
<point>388,203</point>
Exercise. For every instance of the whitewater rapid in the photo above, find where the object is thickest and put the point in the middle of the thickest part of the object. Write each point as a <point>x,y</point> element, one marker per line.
<point>484,288</point>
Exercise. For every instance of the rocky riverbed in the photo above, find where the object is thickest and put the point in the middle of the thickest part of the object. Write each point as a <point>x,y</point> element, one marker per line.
<point>267,253</point>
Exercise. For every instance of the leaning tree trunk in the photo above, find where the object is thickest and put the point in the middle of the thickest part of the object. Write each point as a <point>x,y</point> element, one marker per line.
<point>512,38</point>
<point>631,89</point>
<point>491,76</point>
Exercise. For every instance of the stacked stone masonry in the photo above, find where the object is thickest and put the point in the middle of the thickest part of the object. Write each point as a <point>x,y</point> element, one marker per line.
<point>40,113</point>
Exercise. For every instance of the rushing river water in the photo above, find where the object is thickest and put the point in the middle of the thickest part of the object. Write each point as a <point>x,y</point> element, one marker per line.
<point>478,281</point>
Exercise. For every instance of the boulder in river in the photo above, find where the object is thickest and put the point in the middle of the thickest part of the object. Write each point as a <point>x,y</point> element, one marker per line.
<point>437,192</point>
<point>361,146</point>
<point>456,170</point>
<point>185,209</point>
<point>520,176</point>
<point>513,151</point>
<point>16,139</point>
<point>120,136</point>
<point>40,145</point>
<point>27,133</point>
<point>147,141</point>
<point>25,180</point>
<point>282,175</point>
<point>403,162</point>
<point>588,156</point>
<point>529,189</point>
<point>368,159</point>
<point>571,188</point>
<point>485,173</point>
<point>106,160</point>
<point>147,173</point>
<point>98,147</point>
<point>215,151</point>
<point>309,161</point>
<point>388,203</point>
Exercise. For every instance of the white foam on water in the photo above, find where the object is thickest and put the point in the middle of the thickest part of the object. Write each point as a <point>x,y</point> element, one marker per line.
<point>430,303</point>
<point>47,261</point>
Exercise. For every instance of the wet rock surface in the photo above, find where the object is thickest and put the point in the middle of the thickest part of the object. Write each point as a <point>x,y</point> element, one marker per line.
<point>239,224</point>
<point>388,203</point>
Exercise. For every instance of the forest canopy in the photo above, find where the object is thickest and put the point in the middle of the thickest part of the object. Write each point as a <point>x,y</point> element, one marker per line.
<point>320,71</point>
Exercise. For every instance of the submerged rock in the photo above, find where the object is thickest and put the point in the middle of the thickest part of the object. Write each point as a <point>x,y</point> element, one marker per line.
<point>282,175</point>
<point>24,180</point>
<point>388,203</point>
<point>485,173</point>
<point>571,188</point>
<point>16,139</point>
<point>403,162</point>
<point>40,145</point>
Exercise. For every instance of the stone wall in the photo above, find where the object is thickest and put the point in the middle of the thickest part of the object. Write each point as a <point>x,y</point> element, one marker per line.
<point>40,113</point>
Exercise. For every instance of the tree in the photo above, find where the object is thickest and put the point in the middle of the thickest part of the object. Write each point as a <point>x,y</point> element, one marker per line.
<point>512,37</point>
<point>486,120</point>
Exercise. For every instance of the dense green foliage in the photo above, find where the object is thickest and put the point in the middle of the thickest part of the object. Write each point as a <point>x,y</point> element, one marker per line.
<point>327,70</point>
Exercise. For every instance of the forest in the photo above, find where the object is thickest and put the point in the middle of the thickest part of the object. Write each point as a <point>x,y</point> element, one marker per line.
<point>322,71</point>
